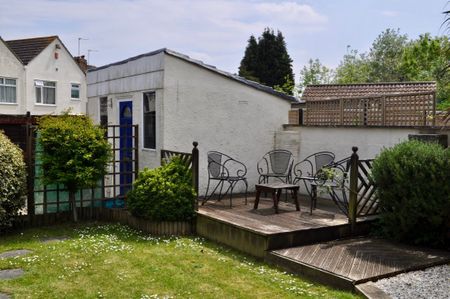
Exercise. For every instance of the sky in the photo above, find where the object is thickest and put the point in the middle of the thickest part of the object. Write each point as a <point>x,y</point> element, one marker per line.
<point>217,31</point>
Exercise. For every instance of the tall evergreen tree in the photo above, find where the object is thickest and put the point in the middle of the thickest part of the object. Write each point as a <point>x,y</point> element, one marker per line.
<point>268,61</point>
<point>250,60</point>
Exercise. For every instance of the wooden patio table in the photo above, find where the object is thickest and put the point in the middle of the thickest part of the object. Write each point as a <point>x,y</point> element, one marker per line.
<point>275,189</point>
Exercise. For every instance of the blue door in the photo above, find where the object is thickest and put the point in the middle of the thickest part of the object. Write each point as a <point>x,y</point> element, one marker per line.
<point>126,146</point>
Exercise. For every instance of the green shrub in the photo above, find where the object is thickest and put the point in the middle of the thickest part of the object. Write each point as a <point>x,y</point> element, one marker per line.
<point>12,181</point>
<point>413,180</point>
<point>164,193</point>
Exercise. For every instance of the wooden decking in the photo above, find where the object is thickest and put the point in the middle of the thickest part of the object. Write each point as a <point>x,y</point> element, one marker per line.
<point>257,231</point>
<point>345,263</point>
<point>319,246</point>
<point>264,220</point>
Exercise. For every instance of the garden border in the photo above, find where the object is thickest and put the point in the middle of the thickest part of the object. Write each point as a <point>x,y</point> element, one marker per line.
<point>122,216</point>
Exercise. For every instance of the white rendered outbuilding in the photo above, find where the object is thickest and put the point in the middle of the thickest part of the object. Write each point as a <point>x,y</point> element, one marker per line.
<point>189,101</point>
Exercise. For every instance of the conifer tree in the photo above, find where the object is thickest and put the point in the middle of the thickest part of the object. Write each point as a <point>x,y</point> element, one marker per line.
<point>268,62</point>
<point>250,60</point>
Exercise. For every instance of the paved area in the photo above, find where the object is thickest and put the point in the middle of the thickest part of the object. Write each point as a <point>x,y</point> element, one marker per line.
<point>14,253</point>
<point>11,273</point>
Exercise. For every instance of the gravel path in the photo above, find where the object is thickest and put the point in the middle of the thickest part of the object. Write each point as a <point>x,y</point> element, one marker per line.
<point>432,283</point>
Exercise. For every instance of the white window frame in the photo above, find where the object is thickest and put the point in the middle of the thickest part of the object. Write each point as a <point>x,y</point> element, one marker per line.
<point>79,91</point>
<point>4,84</point>
<point>40,84</point>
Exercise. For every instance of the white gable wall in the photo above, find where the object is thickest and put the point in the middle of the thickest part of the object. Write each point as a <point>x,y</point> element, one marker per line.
<point>63,71</point>
<point>11,67</point>
<point>129,81</point>
<point>221,114</point>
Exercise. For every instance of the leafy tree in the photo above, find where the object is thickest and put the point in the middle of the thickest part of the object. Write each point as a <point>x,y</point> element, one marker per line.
<point>385,56</point>
<point>354,68</point>
<point>12,181</point>
<point>75,153</point>
<point>268,62</point>
<point>314,73</point>
<point>426,59</point>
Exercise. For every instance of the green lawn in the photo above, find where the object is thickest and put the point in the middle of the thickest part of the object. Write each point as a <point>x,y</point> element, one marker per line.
<point>114,261</point>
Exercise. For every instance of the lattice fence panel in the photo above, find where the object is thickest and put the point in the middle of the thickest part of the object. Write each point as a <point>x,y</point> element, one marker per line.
<point>367,195</point>
<point>416,109</point>
<point>325,112</point>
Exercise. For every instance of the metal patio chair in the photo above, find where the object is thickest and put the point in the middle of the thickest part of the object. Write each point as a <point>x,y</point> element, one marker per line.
<point>334,180</point>
<point>276,164</point>
<point>309,170</point>
<point>224,169</point>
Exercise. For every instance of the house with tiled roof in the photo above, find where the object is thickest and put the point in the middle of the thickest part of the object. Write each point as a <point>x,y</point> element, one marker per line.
<point>40,76</point>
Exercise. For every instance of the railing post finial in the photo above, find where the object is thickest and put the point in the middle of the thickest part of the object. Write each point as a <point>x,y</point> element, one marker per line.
<point>195,144</point>
<point>354,149</point>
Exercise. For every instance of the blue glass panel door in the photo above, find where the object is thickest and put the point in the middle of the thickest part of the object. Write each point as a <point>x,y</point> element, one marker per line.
<point>126,145</point>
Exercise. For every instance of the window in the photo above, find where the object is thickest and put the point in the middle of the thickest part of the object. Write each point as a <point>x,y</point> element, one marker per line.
<point>103,111</point>
<point>7,90</point>
<point>45,92</point>
<point>149,120</point>
<point>75,91</point>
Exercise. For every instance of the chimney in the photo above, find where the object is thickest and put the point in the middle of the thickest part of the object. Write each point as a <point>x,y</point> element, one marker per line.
<point>82,62</point>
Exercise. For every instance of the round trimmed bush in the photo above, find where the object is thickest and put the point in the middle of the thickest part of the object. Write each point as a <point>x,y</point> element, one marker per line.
<point>413,180</point>
<point>12,181</point>
<point>164,193</point>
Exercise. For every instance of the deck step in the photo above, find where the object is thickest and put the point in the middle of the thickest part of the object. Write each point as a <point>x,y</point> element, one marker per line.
<point>349,262</point>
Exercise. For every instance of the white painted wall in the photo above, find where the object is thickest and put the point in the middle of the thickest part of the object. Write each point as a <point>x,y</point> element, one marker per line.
<point>11,67</point>
<point>221,114</point>
<point>192,104</point>
<point>303,141</point>
<point>63,71</point>
<point>129,81</point>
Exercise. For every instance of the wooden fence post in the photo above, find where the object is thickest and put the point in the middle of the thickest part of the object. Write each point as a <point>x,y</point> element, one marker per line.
<point>29,146</point>
<point>195,170</point>
<point>353,202</point>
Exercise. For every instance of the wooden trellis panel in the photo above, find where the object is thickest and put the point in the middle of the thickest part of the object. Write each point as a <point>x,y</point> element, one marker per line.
<point>367,197</point>
<point>408,109</point>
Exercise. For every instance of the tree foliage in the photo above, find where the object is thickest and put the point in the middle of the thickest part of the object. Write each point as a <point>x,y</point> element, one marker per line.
<point>74,152</point>
<point>416,212</point>
<point>428,58</point>
<point>314,73</point>
<point>249,62</point>
<point>12,181</point>
<point>268,62</point>
<point>384,57</point>
<point>394,58</point>
<point>354,68</point>
<point>381,64</point>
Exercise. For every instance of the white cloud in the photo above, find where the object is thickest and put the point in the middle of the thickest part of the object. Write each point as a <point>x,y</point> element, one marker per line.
<point>213,31</point>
